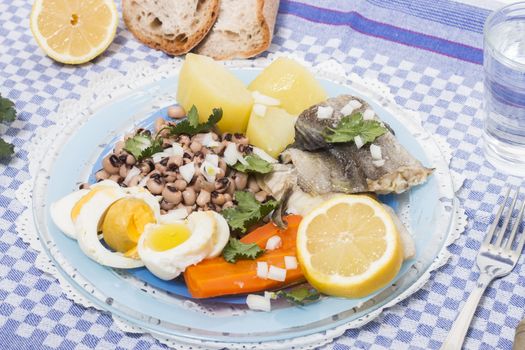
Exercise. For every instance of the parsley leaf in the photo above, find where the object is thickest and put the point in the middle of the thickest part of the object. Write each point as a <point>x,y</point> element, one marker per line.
<point>247,212</point>
<point>299,296</point>
<point>191,125</point>
<point>6,149</point>
<point>236,249</point>
<point>255,165</point>
<point>354,125</point>
<point>7,114</point>
<point>7,110</point>
<point>142,145</point>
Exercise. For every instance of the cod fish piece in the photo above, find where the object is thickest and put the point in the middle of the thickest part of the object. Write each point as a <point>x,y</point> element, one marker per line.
<point>324,167</point>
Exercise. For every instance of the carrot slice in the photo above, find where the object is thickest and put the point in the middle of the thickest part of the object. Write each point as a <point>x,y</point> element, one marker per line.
<point>216,277</point>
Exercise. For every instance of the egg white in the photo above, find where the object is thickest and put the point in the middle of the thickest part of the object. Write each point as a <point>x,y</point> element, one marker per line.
<point>61,212</point>
<point>92,213</point>
<point>221,235</point>
<point>171,263</point>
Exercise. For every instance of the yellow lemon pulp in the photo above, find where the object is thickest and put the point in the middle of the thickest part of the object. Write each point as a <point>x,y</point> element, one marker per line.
<point>124,223</point>
<point>349,247</point>
<point>74,31</point>
<point>167,236</point>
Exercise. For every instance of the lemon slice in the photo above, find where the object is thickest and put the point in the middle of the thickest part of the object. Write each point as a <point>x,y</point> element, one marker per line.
<point>349,246</point>
<point>74,31</point>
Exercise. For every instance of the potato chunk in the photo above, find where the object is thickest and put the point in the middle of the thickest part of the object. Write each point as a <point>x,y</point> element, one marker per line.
<point>207,85</point>
<point>273,131</point>
<point>291,83</point>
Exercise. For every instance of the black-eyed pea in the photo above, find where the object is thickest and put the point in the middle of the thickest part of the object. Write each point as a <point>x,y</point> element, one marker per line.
<point>171,194</point>
<point>155,186</point>
<point>261,196</point>
<point>241,180</point>
<point>218,198</point>
<point>189,196</point>
<point>203,198</point>
<point>176,112</point>
<point>253,186</point>
<point>166,205</point>
<point>119,147</point>
<point>101,175</point>
<point>111,164</point>
<point>180,185</point>
<point>195,146</point>
<point>124,170</point>
<point>228,204</point>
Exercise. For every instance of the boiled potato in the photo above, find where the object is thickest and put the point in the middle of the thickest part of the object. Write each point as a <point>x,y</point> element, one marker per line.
<point>273,131</point>
<point>207,85</point>
<point>291,83</point>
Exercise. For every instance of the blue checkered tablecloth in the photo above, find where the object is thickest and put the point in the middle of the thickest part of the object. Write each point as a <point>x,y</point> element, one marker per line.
<point>428,52</point>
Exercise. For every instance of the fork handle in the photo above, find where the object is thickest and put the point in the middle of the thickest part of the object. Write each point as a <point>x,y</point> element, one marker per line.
<point>459,329</point>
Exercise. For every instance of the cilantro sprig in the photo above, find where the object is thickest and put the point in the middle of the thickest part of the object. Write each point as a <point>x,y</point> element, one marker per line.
<point>247,212</point>
<point>191,125</point>
<point>235,250</point>
<point>7,115</point>
<point>143,145</point>
<point>255,164</point>
<point>299,296</point>
<point>354,125</point>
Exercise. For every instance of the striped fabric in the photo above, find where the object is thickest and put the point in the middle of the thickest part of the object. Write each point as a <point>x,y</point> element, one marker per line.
<point>429,52</point>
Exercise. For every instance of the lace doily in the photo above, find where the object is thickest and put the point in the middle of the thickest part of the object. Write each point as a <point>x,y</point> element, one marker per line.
<point>110,85</point>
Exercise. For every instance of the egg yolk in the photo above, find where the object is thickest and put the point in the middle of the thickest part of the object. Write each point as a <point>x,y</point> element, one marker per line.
<point>124,223</point>
<point>165,237</point>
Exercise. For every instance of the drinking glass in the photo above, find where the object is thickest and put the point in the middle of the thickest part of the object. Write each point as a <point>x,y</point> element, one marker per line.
<point>504,66</point>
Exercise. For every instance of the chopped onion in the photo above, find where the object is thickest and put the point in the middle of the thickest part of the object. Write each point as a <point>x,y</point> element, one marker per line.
<point>258,302</point>
<point>131,174</point>
<point>173,215</point>
<point>157,157</point>
<point>212,159</point>
<point>259,110</point>
<point>264,100</point>
<point>176,149</point>
<point>276,273</point>
<point>270,295</point>
<point>347,110</point>
<point>208,141</point>
<point>355,103</point>
<point>324,112</point>
<point>263,155</point>
<point>290,262</point>
<point>187,171</point>
<point>273,242</point>
<point>368,114</point>
<point>378,163</point>
<point>209,171</point>
<point>358,141</point>
<point>232,155</point>
<point>143,182</point>
<point>375,151</point>
<point>262,269</point>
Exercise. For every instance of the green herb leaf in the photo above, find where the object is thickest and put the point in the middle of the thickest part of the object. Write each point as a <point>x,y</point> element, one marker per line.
<point>191,125</point>
<point>255,165</point>
<point>143,146</point>
<point>354,125</point>
<point>299,296</point>
<point>6,149</point>
<point>236,250</point>
<point>7,110</point>
<point>247,212</point>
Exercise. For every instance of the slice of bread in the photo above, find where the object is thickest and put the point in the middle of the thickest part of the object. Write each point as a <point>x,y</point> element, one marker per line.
<point>244,29</point>
<point>173,26</point>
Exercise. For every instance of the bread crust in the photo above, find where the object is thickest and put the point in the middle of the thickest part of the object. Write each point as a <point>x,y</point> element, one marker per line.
<point>170,47</point>
<point>267,16</point>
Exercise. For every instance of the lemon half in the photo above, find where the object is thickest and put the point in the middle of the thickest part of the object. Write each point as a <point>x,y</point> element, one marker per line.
<point>74,31</point>
<point>349,246</point>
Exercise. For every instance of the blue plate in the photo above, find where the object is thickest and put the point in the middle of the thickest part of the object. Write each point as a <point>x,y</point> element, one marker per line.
<point>81,155</point>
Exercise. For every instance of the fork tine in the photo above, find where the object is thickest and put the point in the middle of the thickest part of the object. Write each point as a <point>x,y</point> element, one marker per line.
<point>508,246</point>
<point>492,229</point>
<point>507,220</point>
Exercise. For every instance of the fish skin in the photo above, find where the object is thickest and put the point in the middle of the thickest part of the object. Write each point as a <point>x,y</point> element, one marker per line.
<point>323,167</point>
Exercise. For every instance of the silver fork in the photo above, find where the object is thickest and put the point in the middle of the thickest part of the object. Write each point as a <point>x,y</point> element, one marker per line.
<point>494,260</point>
